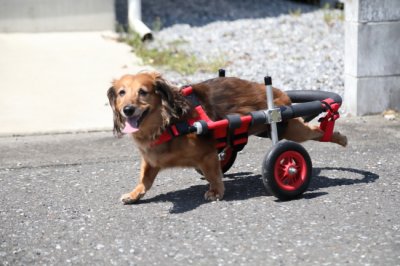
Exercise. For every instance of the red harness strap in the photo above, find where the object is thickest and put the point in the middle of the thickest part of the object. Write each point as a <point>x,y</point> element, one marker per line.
<point>172,131</point>
<point>328,122</point>
<point>232,131</point>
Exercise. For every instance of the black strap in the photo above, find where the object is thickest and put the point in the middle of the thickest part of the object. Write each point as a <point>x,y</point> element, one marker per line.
<point>234,122</point>
<point>182,128</point>
<point>193,99</point>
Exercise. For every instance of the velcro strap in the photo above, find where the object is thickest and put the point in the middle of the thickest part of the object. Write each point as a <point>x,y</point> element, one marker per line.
<point>234,122</point>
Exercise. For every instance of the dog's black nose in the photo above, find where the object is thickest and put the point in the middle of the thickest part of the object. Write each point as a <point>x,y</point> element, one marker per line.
<point>129,110</point>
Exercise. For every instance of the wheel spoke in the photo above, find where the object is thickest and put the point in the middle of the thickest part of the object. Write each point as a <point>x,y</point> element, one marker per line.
<point>285,179</point>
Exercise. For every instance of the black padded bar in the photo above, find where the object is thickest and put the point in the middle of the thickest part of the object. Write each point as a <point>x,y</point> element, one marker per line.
<point>259,117</point>
<point>308,118</point>
<point>183,128</point>
<point>301,109</point>
<point>204,127</point>
<point>302,96</point>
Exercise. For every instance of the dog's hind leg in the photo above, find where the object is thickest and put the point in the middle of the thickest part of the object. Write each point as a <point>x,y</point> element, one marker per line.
<point>147,175</point>
<point>211,168</point>
<point>299,131</point>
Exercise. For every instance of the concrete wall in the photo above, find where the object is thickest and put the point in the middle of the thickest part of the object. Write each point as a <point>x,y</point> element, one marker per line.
<point>56,15</point>
<point>372,56</point>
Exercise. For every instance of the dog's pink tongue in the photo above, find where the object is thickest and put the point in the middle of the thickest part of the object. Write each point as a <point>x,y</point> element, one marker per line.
<point>130,126</point>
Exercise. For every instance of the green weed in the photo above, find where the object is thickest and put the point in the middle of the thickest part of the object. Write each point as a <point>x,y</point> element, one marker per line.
<point>330,17</point>
<point>295,13</point>
<point>172,57</point>
<point>157,24</point>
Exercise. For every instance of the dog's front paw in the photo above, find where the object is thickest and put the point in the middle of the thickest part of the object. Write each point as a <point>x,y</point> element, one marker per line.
<point>134,195</point>
<point>130,198</point>
<point>213,195</point>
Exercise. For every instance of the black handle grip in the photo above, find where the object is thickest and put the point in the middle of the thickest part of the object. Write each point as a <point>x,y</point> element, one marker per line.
<point>267,80</point>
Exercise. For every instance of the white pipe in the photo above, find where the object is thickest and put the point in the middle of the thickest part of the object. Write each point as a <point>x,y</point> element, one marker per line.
<point>135,20</point>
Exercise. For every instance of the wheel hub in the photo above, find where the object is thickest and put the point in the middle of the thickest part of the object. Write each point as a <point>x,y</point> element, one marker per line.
<point>222,155</point>
<point>292,170</point>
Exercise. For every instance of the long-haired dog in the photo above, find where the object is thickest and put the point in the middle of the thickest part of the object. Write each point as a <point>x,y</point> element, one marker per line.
<point>145,104</point>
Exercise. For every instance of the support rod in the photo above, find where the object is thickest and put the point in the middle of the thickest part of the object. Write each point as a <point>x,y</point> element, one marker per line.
<point>270,103</point>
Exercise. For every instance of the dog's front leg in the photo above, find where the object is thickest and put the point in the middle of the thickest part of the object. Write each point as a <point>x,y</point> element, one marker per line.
<point>147,175</point>
<point>211,168</point>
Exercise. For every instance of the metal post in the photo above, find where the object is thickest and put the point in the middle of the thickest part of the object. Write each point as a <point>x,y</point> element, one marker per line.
<point>270,103</point>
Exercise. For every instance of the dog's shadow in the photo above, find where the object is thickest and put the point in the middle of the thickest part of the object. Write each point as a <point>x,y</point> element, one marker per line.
<point>246,185</point>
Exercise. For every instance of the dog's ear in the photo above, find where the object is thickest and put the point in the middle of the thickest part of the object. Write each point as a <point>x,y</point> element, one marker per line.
<point>117,117</point>
<point>165,91</point>
<point>172,100</point>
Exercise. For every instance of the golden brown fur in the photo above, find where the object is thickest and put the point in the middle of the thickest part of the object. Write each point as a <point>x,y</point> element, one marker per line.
<point>158,104</point>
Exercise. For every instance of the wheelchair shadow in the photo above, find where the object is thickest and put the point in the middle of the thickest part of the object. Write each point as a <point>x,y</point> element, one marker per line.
<point>318,181</point>
<point>246,185</point>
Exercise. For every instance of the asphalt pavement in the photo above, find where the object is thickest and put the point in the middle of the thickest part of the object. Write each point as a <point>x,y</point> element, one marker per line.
<point>60,205</point>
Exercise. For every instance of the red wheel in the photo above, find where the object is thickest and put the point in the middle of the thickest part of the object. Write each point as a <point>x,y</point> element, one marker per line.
<point>287,170</point>
<point>290,170</point>
<point>226,159</point>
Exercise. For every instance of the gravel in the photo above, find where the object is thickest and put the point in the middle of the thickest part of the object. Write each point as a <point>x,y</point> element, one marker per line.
<point>299,45</point>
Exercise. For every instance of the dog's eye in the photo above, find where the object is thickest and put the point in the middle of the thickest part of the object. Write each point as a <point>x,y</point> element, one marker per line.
<point>121,93</point>
<point>142,92</point>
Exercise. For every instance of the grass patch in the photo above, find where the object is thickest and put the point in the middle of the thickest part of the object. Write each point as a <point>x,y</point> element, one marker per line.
<point>157,24</point>
<point>330,17</point>
<point>172,57</point>
<point>295,13</point>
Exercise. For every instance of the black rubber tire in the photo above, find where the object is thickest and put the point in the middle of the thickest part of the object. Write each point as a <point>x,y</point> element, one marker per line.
<point>278,176</point>
<point>225,164</point>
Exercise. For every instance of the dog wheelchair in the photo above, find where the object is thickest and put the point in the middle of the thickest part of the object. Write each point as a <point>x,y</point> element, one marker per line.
<point>287,167</point>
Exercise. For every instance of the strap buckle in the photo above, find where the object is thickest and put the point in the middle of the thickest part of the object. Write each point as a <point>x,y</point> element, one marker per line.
<point>328,121</point>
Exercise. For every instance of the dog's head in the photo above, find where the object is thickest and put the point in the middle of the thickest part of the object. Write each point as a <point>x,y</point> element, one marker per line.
<point>144,102</point>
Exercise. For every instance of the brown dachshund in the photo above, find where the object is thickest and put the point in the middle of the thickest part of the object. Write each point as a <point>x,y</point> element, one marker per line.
<point>145,104</point>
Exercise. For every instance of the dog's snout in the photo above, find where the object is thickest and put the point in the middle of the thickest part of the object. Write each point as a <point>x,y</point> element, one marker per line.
<point>129,110</point>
